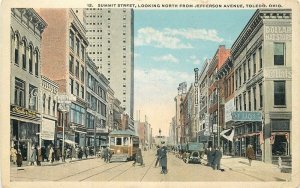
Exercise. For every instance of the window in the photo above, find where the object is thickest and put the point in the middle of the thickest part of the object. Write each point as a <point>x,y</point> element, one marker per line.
<point>77,89</point>
<point>19,92</point>
<point>17,49</point>
<point>279,93</point>
<point>240,99</point>
<point>119,141</point>
<point>33,97</point>
<point>82,92</point>
<point>49,105</point>
<point>44,103</point>
<point>260,96</point>
<point>236,79</point>
<point>90,121</point>
<point>82,52</point>
<point>77,69</point>
<point>278,53</point>
<point>71,84</point>
<point>236,104</point>
<point>240,76</point>
<point>249,100</point>
<point>54,108</point>
<point>254,63</point>
<point>71,40</point>
<point>24,55</point>
<point>254,98</point>
<point>244,99</point>
<point>260,57</point>
<point>249,69</point>
<point>36,63</point>
<point>30,59</point>
<point>82,73</point>
<point>71,64</point>
<point>77,46</point>
<point>244,70</point>
<point>77,114</point>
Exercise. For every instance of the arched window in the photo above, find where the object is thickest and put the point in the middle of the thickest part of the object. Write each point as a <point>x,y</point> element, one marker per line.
<point>53,108</point>
<point>24,55</point>
<point>16,49</point>
<point>30,59</point>
<point>49,105</point>
<point>36,63</point>
<point>12,44</point>
<point>44,103</point>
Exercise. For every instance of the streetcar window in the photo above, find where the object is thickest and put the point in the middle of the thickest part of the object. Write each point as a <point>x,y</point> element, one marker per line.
<point>125,141</point>
<point>119,141</point>
<point>112,141</point>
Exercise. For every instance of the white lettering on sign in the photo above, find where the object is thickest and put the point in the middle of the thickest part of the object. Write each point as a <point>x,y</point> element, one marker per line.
<point>278,74</point>
<point>229,107</point>
<point>278,33</point>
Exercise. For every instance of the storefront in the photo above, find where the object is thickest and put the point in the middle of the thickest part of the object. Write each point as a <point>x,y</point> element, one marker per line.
<point>280,137</point>
<point>25,129</point>
<point>246,134</point>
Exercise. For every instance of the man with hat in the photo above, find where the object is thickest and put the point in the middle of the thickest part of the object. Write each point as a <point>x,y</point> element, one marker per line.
<point>163,158</point>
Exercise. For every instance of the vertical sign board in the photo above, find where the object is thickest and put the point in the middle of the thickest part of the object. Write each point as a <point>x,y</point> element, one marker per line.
<point>229,108</point>
<point>48,129</point>
<point>206,132</point>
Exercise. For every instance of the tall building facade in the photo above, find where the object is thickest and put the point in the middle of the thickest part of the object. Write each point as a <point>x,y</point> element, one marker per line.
<point>110,33</point>
<point>63,60</point>
<point>262,62</point>
<point>26,32</point>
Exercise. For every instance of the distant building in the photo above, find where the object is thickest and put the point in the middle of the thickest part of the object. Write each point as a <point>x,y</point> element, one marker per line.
<point>110,33</point>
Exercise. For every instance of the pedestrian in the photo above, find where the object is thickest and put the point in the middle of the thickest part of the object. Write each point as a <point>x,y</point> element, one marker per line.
<point>250,154</point>
<point>51,154</point>
<point>106,155</point>
<point>39,156</point>
<point>33,156</point>
<point>58,154</point>
<point>47,152</point>
<point>157,156</point>
<point>217,159</point>
<point>13,155</point>
<point>19,158</point>
<point>73,152</point>
<point>85,151</point>
<point>139,158</point>
<point>163,159</point>
<point>209,154</point>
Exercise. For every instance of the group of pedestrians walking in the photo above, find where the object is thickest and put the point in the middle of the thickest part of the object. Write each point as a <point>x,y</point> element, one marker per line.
<point>214,158</point>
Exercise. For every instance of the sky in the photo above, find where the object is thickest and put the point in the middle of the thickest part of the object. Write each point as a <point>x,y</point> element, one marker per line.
<point>168,45</point>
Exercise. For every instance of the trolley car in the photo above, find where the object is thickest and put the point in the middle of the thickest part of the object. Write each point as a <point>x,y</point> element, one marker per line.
<point>123,145</point>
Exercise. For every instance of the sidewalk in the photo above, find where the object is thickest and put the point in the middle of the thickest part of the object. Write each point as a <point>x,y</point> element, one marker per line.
<point>55,163</point>
<point>258,169</point>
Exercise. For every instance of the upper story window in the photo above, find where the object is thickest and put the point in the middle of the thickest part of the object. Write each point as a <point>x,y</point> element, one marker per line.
<point>19,92</point>
<point>82,52</point>
<point>71,64</point>
<point>279,93</point>
<point>17,45</point>
<point>71,40</point>
<point>24,55</point>
<point>260,57</point>
<point>30,59</point>
<point>77,46</point>
<point>278,53</point>
<point>37,63</point>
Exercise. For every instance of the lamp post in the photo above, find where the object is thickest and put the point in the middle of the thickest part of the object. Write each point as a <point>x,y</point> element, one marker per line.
<point>196,101</point>
<point>64,101</point>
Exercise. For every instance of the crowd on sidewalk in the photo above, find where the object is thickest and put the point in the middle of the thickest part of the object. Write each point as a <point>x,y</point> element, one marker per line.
<point>49,154</point>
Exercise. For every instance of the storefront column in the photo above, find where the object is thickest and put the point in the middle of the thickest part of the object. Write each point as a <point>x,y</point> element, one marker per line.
<point>267,149</point>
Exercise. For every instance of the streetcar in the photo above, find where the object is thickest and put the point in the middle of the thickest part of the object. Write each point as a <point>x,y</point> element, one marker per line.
<point>123,145</point>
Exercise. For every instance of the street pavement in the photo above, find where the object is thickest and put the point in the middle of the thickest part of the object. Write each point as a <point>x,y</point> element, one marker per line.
<point>95,170</point>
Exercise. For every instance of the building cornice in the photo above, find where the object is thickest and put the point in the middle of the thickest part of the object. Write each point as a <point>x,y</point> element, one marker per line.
<point>254,24</point>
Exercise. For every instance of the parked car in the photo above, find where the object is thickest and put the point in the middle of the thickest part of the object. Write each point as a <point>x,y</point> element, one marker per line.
<point>194,152</point>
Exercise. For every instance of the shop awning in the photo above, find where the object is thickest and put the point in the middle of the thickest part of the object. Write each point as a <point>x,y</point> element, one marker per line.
<point>70,142</point>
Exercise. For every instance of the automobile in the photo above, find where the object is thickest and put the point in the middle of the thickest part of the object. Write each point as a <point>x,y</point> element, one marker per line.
<point>194,153</point>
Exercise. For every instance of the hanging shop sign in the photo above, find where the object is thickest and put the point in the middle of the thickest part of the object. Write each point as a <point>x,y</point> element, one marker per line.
<point>48,129</point>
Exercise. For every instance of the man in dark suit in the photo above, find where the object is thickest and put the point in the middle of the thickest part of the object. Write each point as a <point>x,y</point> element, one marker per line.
<point>217,159</point>
<point>157,156</point>
<point>163,159</point>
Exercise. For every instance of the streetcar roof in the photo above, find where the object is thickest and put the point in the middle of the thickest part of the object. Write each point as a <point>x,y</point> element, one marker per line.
<point>122,132</point>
